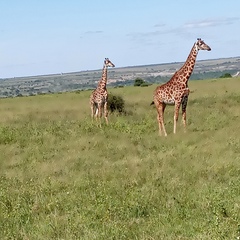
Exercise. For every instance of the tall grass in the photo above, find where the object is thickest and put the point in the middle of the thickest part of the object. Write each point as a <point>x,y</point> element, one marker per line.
<point>62,177</point>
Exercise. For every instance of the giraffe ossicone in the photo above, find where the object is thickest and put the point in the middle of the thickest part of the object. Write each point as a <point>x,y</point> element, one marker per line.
<point>99,97</point>
<point>175,91</point>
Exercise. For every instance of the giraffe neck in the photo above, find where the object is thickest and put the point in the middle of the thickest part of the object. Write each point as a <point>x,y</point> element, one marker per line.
<point>103,82</point>
<point>186,70</point>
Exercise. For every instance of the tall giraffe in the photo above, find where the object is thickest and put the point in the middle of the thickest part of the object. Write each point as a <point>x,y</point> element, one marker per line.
<point>175,91</point>
<point>99,96</point>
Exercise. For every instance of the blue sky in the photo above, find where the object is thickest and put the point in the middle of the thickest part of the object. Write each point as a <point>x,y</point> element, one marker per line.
<point>53,36</point>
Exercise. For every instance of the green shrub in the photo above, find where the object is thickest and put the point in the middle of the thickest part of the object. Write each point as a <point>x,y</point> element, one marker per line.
<point>226,75</point>
<point>115,103</point>
<point>138,82</point>
<point>145,84</point>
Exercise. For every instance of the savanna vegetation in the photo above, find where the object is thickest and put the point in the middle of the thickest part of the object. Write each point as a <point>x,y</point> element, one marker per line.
<point>62,177</point>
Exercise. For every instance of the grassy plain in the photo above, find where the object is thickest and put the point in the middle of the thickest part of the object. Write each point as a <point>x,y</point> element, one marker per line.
<point>62,177</point>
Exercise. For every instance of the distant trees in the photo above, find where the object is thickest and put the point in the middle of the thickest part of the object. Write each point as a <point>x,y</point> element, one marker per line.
<point>139,82</point>
<point>226,75</point>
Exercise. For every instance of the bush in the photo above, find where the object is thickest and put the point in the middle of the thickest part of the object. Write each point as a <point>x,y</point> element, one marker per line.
<point>115,103</point>
<point>226,75</point>
<point>145,84</point>
<point>138,82</point>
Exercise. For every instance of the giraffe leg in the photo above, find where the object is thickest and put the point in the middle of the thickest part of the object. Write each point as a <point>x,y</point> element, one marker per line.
<point>176,113</point>
<point>160,117</point>
<point>92,105</point>
<point>92,110</point>
<point>184,111</point>
<point>96,113</point>
<point>106,112</point>
<point>99,114</point>
<point>163,127</point>
<point>159,124</point>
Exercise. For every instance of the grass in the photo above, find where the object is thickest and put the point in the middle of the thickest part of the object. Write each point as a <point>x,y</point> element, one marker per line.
<point>62,177</point>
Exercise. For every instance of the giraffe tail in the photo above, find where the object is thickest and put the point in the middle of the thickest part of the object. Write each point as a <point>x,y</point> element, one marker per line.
<point>152,103</point>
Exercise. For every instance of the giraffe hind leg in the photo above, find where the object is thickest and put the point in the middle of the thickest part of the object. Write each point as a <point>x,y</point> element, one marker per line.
<point>159,125</point>
<point>92,110</point>
<point>163,127</point>
<point>160,109</point>
<point>99,114</point>
<point>176,113</point>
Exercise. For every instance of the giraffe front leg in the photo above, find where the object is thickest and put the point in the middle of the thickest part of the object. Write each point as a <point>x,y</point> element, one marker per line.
<point>99,114</point>
<point>176,113</point>
<point>184,111</point>
<point>105,112</point>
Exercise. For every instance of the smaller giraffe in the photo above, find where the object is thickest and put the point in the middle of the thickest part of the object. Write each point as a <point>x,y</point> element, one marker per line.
<point>99,97</point>
<point>175,91</point>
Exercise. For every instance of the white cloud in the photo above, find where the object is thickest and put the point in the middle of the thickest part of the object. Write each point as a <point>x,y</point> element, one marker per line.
<point>160,25</point>
<point>93,32</point>
<point>186,31</point>
<point>211,22</point>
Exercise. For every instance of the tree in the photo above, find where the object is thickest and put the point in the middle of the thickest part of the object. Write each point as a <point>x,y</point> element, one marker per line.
<point>138,82</point>
<point>226,75</point>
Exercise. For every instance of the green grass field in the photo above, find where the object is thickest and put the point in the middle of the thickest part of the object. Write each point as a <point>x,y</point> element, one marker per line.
<point>62,177</point>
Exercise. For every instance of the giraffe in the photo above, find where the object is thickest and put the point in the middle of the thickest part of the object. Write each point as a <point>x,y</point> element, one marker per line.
<point>175,91</point>
<point>99,96</point>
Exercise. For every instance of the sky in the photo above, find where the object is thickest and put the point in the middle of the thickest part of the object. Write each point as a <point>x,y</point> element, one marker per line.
<point>40,37</point>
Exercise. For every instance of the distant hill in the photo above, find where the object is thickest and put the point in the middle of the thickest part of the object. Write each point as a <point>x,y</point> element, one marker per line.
<point>156,73</point>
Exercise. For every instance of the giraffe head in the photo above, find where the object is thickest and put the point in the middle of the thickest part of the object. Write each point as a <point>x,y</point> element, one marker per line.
<point>201,45</point>
<point>108,63</point>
